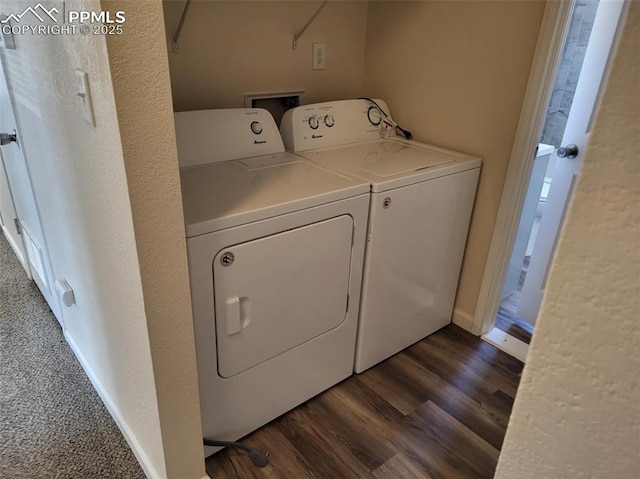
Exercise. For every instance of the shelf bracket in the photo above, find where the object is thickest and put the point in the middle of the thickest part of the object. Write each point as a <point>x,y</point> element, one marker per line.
<point>174,43</point>
<point>306,25</point>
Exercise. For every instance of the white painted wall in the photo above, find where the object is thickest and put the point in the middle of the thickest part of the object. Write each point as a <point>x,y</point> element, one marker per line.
<point>81,186</point>
<point>577,412</point>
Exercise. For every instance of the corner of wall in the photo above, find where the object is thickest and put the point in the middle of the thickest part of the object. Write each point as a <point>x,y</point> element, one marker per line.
<point>463,319</point>
<point>141,85</point>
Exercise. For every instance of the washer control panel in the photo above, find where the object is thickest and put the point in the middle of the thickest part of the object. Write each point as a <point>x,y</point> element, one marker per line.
<point>315,121</point>
<point>335,123</point>
<point>210,136</point>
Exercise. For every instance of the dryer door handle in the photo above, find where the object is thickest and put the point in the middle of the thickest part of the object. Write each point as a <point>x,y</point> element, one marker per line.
<point>237,314</point>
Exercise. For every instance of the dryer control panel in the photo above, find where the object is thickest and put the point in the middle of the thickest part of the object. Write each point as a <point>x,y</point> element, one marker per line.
<point>211,136</point>
<point>334,123</point>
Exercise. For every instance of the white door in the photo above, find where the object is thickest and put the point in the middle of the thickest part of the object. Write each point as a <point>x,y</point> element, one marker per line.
<point>24,201</point>
<point>567,169</point>
<point>277,292</point>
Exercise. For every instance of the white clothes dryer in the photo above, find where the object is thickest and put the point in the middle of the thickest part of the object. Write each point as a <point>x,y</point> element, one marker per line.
<point>275,249</point>
<point>421,203</point>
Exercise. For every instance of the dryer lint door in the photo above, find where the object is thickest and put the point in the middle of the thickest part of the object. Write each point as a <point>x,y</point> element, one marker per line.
<point>275,293</point>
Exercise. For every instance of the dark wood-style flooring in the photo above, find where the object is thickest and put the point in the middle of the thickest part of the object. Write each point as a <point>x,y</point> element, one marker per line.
<point>438,409</point>
<point>507,319</point>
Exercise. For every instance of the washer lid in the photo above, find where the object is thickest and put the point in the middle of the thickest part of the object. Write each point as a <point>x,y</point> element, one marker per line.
<point>231,193</point>
<point>392,163</point>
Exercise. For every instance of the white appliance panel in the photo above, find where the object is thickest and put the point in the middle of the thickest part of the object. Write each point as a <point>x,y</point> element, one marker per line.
<point>413,259</point>
<point>335,123</point>
<point>392,163</point>
<point>227,194</point>
<point>384,158</point>
<point>211,136</point>
<point>406,159</point>
<point>280,291</point>
<point>233,407</point>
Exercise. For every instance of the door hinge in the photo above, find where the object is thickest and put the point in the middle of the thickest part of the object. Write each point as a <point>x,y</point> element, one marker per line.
<point>17,223</point>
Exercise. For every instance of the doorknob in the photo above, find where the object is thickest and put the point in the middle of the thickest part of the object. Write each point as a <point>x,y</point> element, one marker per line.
<point>569,151</point>
<point>6,138</point>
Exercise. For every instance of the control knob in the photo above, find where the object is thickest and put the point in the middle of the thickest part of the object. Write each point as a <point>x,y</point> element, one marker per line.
<point>329,121</point>
<point>314,122</point>
<point>256,127</point>
<point>374,115</point>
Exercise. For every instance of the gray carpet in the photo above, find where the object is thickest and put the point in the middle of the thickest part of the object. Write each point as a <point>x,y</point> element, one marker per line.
<point>52,422</point>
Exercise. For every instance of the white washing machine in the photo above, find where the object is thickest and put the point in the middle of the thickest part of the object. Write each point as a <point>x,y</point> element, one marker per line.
<point>421,203</point>
<point>275,247</point>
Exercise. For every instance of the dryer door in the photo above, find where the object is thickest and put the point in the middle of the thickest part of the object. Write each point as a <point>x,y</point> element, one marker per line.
<point>274,293</point>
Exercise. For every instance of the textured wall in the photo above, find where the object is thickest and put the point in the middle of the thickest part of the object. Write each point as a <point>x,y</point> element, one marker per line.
<point>141,87</point>
<point>231,48</point>
<point>577,412</point>
<point>455,73</point>
<point>79,179</point>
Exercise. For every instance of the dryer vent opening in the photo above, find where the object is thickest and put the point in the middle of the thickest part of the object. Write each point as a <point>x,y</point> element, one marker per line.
<point>275,103</point>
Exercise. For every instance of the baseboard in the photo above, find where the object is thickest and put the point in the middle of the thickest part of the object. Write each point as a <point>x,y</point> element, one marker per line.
<point>462,319</point>
<point>138,452</point>
<point>507,343</point>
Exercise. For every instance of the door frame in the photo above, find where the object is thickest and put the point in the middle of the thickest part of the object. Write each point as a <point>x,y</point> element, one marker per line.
<point>551,40</point>
<point>20,249</point>
<point>39,240</point>
<point>546,61</point>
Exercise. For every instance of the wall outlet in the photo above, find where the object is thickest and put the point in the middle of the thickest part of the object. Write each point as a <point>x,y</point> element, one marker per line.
<point>319,54</point>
